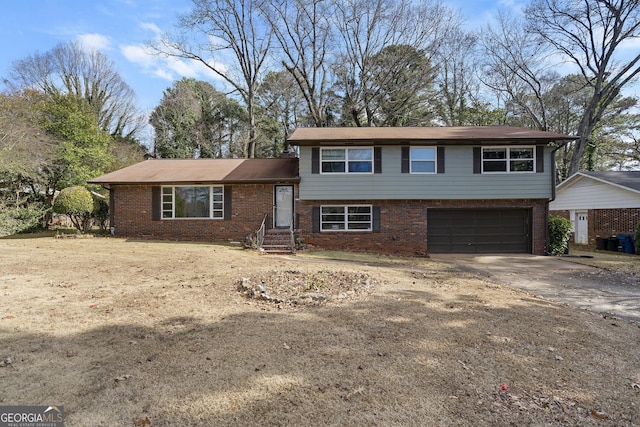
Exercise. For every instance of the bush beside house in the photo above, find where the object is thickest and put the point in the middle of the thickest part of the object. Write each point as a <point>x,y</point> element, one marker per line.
<point>559,235</point>
<point>77,203</point>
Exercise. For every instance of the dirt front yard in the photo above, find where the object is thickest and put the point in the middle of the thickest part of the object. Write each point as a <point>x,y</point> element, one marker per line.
<point>125,333</point>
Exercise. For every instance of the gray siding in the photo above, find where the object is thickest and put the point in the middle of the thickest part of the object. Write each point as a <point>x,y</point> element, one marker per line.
<point>457,183</point>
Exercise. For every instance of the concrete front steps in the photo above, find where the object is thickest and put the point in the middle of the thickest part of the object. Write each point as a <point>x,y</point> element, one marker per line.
<point>277,241</point>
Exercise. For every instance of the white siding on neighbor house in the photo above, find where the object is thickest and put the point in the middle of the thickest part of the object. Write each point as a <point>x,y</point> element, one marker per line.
<point>457,183</point>
<point>586,193</point>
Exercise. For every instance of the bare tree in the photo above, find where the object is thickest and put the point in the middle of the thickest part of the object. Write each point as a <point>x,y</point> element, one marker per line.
<point>456,80</point>
<point>305,36</point>
<point>195,120</point>
<point>92,76</point>
<point>229,38</point>
<point>24,146</point>
<point>400,90</point>
<point>591,34</point>
<point>365,28</point>
<point>516,65</point>
<point>282,105</point>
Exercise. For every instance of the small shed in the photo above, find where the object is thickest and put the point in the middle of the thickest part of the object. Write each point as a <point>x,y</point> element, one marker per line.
<point>599,204</point>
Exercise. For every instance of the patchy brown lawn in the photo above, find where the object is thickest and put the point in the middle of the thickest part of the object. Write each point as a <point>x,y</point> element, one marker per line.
<point>118,331</point>
<point>612,261</point>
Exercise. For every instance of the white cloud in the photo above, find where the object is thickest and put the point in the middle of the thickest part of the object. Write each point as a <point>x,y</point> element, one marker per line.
<point>149,63</point>
<point>205,71</point>
<point>94,42</point>
<point>151,26</point>
<point>138,55</point>
<point>168,68</point>
<point>180,67</point>
<point>514,5</point>
<point>631,44</point>
<point>163,74</point>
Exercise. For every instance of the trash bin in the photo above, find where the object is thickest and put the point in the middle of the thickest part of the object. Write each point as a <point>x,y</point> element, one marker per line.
<point>612,244</point>
<point>626,243</point>
<point>601,243</point>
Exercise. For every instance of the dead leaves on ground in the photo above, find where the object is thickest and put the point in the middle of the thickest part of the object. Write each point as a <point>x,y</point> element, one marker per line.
<point>142,422</point>
<point>297,288</point>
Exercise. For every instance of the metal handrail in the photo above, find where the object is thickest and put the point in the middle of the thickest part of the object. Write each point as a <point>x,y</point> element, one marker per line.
<point>293,239</point>
<point>261,232</point>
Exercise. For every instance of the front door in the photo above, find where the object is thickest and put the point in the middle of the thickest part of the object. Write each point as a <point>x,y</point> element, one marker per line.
<point>283,206</point>
<point>582,228</point>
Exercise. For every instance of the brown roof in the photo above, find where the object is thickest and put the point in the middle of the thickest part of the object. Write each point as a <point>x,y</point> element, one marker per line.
<point>445,135</point>
<point>156,171</point>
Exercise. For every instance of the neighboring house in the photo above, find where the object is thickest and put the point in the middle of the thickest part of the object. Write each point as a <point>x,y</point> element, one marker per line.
<point>599,204</point>
<point>406,191</point>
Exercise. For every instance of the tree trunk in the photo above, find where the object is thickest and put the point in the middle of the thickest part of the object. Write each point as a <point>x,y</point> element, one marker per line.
<point>251,148</point>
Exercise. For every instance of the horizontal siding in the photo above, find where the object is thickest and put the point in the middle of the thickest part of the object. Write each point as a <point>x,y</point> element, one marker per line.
<point>457,183</point>
<point>587,193</point>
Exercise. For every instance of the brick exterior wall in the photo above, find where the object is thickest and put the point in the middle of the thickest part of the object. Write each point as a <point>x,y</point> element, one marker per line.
<point>611,222</point>
<point>403,224</point>
<point>133,217</point>
<point>607,222</point>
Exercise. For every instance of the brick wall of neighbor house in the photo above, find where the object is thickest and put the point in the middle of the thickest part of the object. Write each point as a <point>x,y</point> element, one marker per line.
<point>611,222</point>
<point>133,216</point>
<point>403,224</point>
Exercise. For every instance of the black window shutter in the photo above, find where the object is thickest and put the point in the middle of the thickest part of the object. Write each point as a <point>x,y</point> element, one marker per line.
<point>376,219</point>
<point>227,202</point>
<point>539,158</point>
<point>315,214</point>
<point>477,160</point>
<point>377,159</point>
<point>440,156</point>
<point>315,160</point>
<point>156,205</point>
<point>405,160</point>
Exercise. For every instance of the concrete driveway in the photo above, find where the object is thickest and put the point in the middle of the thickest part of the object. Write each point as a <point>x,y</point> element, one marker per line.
<point>558,279</point>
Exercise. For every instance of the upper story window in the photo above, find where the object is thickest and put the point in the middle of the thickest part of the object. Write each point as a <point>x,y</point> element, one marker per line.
<point>346,160</point>
<point>423,160</point>
<point>193,202</point>
<point>508,159</point>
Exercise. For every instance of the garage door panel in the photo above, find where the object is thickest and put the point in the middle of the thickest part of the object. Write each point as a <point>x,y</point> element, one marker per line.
<point>486,231</point>
<point>479,231</point>
<point>462,231</point>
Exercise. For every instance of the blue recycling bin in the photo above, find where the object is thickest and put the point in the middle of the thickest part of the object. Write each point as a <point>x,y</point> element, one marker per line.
<point>626,243</point>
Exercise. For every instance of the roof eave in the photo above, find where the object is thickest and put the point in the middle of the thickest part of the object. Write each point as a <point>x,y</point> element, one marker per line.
<point>579,175</point>
<point>435,141</point>
<point>198,182</point>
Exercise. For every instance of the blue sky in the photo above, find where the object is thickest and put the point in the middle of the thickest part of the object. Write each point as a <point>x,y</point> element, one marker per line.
<point>120,28</point>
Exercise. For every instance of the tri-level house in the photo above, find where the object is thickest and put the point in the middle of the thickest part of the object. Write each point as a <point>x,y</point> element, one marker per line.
<point>405,191</point>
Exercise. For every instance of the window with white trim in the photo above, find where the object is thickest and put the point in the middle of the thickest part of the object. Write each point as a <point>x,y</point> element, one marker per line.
<point>198,201</point>
<point>346,160</point>
<point>346,218</point>
<point>508,159</point>
<point>423,160</point>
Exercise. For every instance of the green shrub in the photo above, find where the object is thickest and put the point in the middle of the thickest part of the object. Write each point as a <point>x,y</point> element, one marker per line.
<point>24,219</point>
<point>637,240</point>
<point>559,233</point>
<point>77,203</point>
